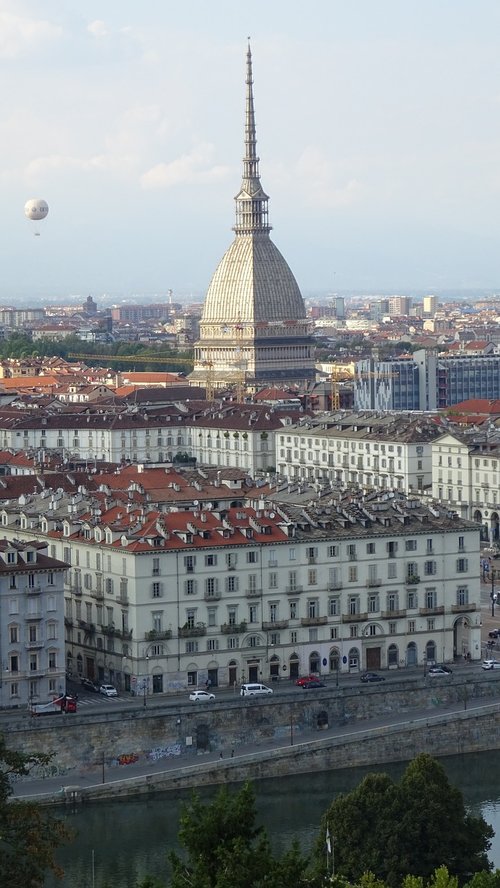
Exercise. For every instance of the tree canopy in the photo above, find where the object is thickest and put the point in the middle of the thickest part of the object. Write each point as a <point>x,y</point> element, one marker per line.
<point>225,849</point>
<point>29,835</point>
<point>409,828</point>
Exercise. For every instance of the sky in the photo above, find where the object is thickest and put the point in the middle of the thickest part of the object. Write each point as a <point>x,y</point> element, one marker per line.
<point>378,127</point>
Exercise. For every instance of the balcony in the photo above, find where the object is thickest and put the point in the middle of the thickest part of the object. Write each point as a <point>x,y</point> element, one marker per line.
<point>233,628</point>
<point>372,584</point>
<point>253,593</point>
<point>354,618</point>
<point>312,559</point>
<point>463,608</point>
<point>126,634</point>
<point>34,645</point>
<point>335,587</point>
<point>192,631</point>
<point>430,611</point>
<point>271,625</point>
<point>99,596</point>
<point>158,635</point>
<point>68,622</point>
<point>314,621</point>
<point>76,590</point>
<point>293,590</point>
<point>89,628</point>
<point>123,600</point>
<point>34,615</point>
<point>212,596</point>
<point>412,581</point>
<point>231,566</point>
<point>33,590</point>
<point>392,614</point>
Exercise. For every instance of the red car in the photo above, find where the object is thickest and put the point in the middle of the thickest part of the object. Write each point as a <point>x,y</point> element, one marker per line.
<point>305,679</point>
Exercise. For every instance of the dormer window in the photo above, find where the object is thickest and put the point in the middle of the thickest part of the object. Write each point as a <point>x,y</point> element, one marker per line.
<point>11,557</point>
<point>30,556</point>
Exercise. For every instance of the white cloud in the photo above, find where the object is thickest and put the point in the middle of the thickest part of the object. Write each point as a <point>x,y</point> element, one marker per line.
<point>97,28</point>
<point>19,35</point>
<point>324,184</point>
<point>189,169</point>
<point>119,165</point>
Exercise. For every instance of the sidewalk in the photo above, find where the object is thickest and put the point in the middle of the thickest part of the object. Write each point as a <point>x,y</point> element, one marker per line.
<point>48,788</point>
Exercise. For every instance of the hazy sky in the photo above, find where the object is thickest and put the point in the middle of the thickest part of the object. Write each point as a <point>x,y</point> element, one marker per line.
<point>378,126</point>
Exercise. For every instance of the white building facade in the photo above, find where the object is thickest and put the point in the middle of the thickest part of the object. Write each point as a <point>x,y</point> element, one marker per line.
<point>160,602</point>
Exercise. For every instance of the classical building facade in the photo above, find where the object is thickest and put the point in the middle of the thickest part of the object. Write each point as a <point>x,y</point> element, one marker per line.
<point>466,476</point>
<point>254,328</point>
<point>385,452</point>
<point>158,602</point>
<point>32,642</point>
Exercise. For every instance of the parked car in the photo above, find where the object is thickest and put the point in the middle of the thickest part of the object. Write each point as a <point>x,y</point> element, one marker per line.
<point>254,690</point>
<point>108,690</point>
<point>440,670</point>
<point>494,633</point>
<point>372,676</point>
<point>90,685</point>
<point>313,683</point>
<point>300,681</point>
<point>201,697</point>
<point>490,664</point>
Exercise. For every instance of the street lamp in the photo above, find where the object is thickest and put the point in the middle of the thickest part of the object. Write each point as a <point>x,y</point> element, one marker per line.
<point>492,593</point>
<point>146,680</point>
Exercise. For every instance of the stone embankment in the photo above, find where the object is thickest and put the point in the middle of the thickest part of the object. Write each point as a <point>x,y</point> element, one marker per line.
<point>132,752</point>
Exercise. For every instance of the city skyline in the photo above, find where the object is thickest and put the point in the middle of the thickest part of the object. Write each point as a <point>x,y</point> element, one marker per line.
<point>377,129</point>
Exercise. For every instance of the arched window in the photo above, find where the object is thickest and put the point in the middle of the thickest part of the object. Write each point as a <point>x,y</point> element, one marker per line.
<point>392,655</point>
<point>411,654</point>
<point>430,652</point>
<point>353,659</point>
<point>334,660</point>
<point>314,662</point>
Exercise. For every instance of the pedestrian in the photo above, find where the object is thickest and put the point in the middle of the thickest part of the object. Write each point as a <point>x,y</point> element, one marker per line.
<point>232,753</point>
<point>220,755</point>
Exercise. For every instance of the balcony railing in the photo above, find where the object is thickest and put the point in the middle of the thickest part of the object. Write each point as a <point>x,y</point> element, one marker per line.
<point>392,614</point>
<point>212,596</point>
<point>76,590</point>
<point>463,608</point>
<point>123,600</point>
<point>412,580</point>
<point>87,627</point>
<point>430,611</point>
<point>33,590</point>
<point>354,618</point>
<point>233,628</point>
<point>335,587</point>
<point>314,621</point>
<point>373,583</point>
<point>34,645</point>
<point>158,635</point>
<point>98,595</point>
<point>112,632</point>
<point>293,590</point>
<point>271,625</point>
<point>253,593</point>
<point>192,631</point>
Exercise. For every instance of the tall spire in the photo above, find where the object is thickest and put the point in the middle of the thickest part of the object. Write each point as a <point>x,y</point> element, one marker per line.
<point>251,202</point>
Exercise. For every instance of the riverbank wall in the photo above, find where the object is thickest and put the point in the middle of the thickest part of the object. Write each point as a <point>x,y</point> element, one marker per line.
<point>297,731</point>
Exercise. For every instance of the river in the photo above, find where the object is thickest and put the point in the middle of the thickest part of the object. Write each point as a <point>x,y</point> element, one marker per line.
<point>126,840</point>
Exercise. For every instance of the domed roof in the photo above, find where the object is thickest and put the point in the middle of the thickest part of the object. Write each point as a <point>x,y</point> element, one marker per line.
<point>253,283</point>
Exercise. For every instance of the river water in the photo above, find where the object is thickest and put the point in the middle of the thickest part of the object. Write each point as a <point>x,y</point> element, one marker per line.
<point>120,842</point>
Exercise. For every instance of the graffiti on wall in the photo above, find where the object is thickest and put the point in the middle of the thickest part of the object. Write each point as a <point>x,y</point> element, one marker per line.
<point>160,752</point>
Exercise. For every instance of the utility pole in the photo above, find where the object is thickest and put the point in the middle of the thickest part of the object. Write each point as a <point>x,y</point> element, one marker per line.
<point>493,575</point>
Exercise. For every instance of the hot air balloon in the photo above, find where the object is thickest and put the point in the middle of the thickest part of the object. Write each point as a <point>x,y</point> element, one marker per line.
<point>35,210</point>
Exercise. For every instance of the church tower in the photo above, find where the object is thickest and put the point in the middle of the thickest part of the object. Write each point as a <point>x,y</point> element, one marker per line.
<point>254,327</point>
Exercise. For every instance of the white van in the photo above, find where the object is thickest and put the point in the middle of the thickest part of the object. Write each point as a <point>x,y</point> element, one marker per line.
<point>252,690</point>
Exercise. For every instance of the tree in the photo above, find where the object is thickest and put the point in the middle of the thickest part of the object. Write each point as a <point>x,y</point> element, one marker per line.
<point>407,829</point>
<point>225,849</point>
<point>29,835</point>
